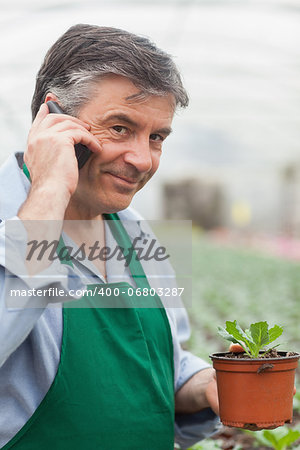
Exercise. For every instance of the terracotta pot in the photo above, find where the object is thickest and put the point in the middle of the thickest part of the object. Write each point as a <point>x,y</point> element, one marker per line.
<point>255,391</point>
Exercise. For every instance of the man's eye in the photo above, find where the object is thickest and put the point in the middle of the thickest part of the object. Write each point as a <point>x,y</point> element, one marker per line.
<point>156,137</point>
<point>120,129</point>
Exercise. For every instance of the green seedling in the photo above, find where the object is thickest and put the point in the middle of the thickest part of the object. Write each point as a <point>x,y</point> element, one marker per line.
<point>279,439</point>
<point>255,339</point>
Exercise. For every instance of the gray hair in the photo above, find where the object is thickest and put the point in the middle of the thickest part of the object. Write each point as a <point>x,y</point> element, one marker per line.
<point>86,53</point>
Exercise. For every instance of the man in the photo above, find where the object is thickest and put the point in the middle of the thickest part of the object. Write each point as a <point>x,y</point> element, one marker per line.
<point>92,377</point>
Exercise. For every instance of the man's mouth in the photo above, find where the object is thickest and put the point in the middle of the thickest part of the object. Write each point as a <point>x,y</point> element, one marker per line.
<point>123,179</point>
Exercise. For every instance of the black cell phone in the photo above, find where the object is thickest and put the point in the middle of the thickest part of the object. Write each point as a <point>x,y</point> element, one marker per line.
<point>81,151</point>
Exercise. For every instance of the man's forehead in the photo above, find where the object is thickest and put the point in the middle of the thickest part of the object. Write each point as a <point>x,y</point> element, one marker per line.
<point>130,93</point>
<point>141,96</point>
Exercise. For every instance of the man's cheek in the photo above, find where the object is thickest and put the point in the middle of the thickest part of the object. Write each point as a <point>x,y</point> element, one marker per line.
<point>155,162</point>
<point>111,150</point>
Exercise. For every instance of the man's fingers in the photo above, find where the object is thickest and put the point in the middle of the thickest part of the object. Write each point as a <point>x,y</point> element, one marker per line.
<point>66,125</point>
<point>212,395</point>
<point>54,119</point>
<point>42,113</point>
<point>236,348</point>
<point>87,139</point>
<point>50,125</point>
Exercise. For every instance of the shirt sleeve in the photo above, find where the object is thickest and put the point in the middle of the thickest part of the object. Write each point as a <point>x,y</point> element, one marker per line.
<point>19,308</point>
<point>192,428</point>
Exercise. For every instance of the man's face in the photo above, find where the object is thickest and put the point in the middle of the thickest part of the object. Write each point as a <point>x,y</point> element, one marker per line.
<point>131,133</point>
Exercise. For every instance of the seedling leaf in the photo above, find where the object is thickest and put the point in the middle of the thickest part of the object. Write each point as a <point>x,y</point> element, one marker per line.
<point>222,332</point>
<point>236,331</point>
<point>248,334</point>
<point>260,335</point>
<point>275,332</point>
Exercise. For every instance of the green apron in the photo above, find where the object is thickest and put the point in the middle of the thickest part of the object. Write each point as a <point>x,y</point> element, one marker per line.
<point>114,387</point>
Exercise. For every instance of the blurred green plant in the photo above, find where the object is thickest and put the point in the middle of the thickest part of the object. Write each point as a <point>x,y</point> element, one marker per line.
<point>239,282</point>
<point>296,402</point>
<point>279,439</point>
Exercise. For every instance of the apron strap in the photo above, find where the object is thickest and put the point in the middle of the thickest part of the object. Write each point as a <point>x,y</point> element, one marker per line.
<point>121,236</point>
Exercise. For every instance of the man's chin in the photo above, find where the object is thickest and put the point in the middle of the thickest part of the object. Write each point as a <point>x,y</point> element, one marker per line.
<point>116,207</point>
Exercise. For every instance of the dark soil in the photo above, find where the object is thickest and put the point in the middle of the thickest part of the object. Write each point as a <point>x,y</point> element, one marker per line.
<point>272,353</point>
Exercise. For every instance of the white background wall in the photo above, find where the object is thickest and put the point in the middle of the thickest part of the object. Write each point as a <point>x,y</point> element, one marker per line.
<point>240,62</point>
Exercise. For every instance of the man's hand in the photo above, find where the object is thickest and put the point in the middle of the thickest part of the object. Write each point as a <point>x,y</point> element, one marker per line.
<point>50,155</point>
<point>52,164</point>
<point>212,394</point>
<point>51,161</point>
<point>199,392</point>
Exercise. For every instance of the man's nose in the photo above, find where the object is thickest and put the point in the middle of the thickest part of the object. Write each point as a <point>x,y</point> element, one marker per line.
<point>139,155</point>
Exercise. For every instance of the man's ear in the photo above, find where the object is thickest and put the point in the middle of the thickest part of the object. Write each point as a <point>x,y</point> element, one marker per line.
<point>52,97</point>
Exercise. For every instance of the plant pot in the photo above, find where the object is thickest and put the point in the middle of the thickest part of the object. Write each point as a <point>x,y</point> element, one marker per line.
<point>255,392</point>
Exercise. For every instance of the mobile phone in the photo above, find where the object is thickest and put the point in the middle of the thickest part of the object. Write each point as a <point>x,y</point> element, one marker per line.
<point>81,151</point>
